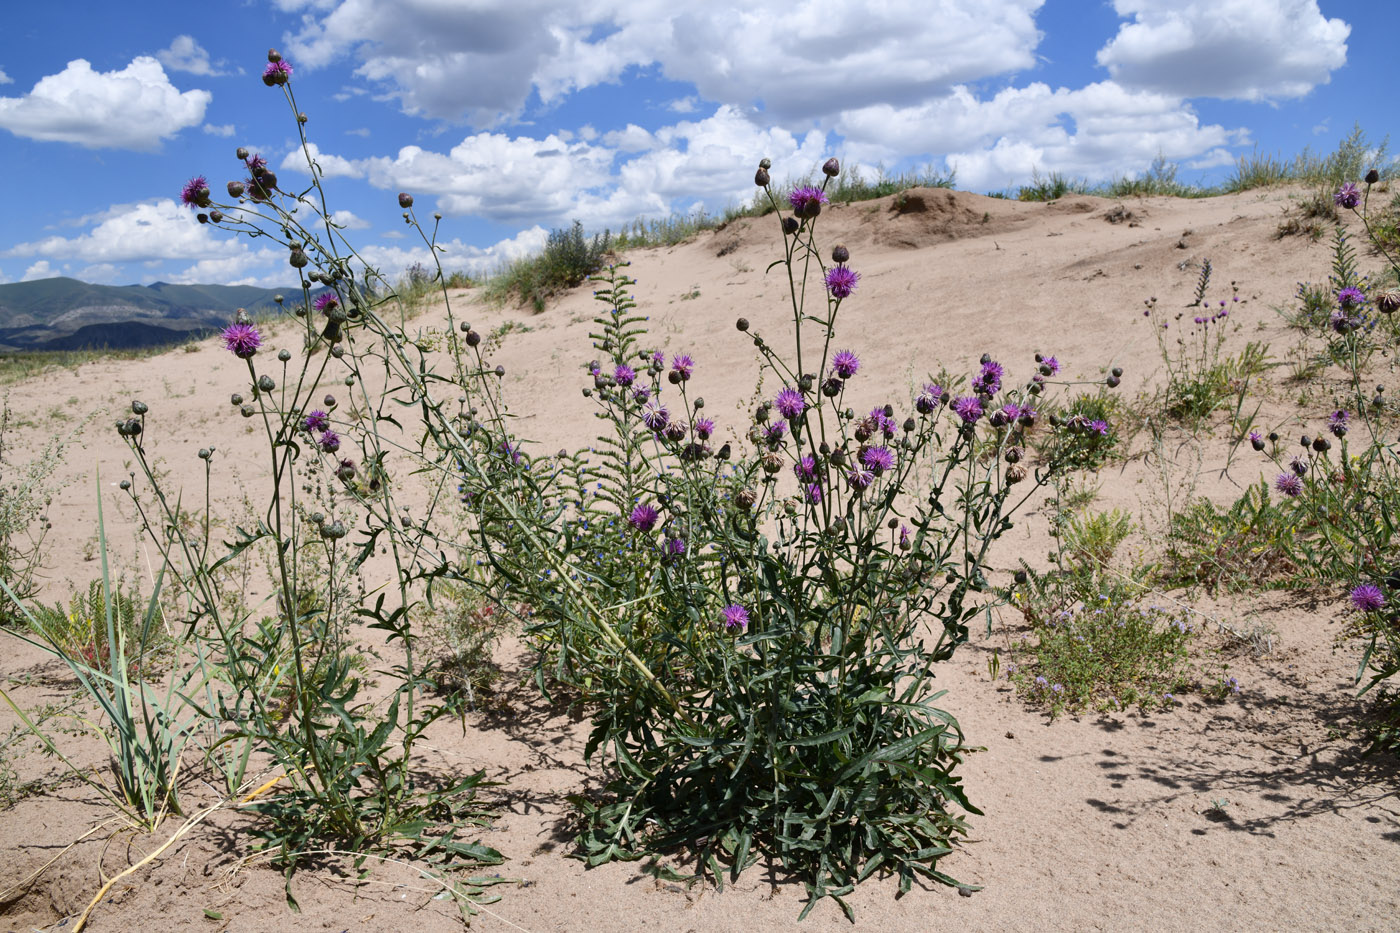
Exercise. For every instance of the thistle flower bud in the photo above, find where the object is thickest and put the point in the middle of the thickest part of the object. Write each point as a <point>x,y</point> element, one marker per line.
<point>840,254</point>
<point>265,384</point>
<point>1321,445</point>
<point>1372,177</point>
<point>202,218</point>
<point>346,470</point>
<point>298,259</point>
<point>760,178</point>
<point>329,401</point>
<point>247,410</point>
<point>125,485</point>
<point>301,118</point>
<point>274,56</point>
<point>831,168</point>
<point>1257,443</point>
<point>473,338</point>
<point>284,355</point>
<point>405,200</point>
<point>1021,578</point>
<point>790,225</point>
<point>500,371</point>
<point>1014,454</point>
<point>765,163</point>
<point>205,453</point>
<point>242,153</point>
<point>1112,382</point>
<point>832,387</point>
<point>838,457</point>
<point>724,452</point>
<point>216,216</point>
<point>139,408</point>
<point>235,399</point>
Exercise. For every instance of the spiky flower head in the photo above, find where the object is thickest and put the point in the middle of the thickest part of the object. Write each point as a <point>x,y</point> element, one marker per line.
<point>196,192</point>
<point>968,408</point>
<point>1337,421</point>
<point>317,421</point>
<point>682,365</point>
<point>877,459</point>
<point>674,548</point>
<point>773,433</point>
<point>656,416</point>
<point>845,364</point>
<point>643,517</point>
<point>930,397</point>
<point>326,302</point>
<point>860,479</point>
<point>1299,466</point>
<point>624,375</point>
<point>242,340</point>
<point>276,73</point>
<point>1347,196</point>
<point>1350,297</point>
<point>1367,598</point>
<point>1290,484</point>
<point>989,379</point>
<point>1051,364</point>
<point>807,200</point>
<point>879,421</point>
<point>329,441</point>
<point>735,618</point>
<point>812,493</point>
<point>790,403</point>
<point>806,469</point>
<point>704,427</point>
<point>841,281</point>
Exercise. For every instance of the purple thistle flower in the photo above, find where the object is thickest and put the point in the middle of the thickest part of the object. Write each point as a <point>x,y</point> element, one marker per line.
<point>196,192</point>
<point>255,164</point>
<point>242,340</point>
<point>512,451</point>
<point>1347,196</point>
<point>1011,410</point>
<point>624,375</point>
<point>813,493</point>
<point>641,394</point>
<point>1344,323</point>
<point>968,408</point>
<point>806,469</point>
<point>841,281</point>
<point>655,416</point>
<point>736,619</point>
<point>790,403</point>
<point>1052,364</point>
<point>1290,484</point>
<point>1099,426</point>
<point>1350,297</point>
<point>674,548</point>
<point>774,432</point>
<point>879,421</point>
<point>1367,598</point>
<point>658,358</point>
<point>929,399</point>
<point>276,73</point>
<point>860,479</point>
<point>329,442</point>
<point>1299,466</point>
<point>704,427</point>
<point>325,301</point>
<point>845,364</point>
<point>683,365</point>
<point>877,459</point>
<point>801,199</point>
<point>903,535</point>
<point>1337,421</point>
<point>989,379</point>
<point>643,517</point>
<point>1256,440</point>
<point>317,421</point>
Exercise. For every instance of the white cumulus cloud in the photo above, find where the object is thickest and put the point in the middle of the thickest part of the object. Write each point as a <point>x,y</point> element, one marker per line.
<point>40,270</point>
<point>222,129</point>
<point>1246,49</point>
<point>185,54</point>
<point>134,108</point>
<point>457,256</point>
<point>146,231</point>
<point>4,78</point>
<point>332,166</point>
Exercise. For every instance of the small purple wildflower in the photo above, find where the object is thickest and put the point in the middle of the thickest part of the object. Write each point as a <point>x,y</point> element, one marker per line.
<point>736,619</point>
<point>1099,426</point>
<point>1337,422</point>
<point>1256,440</point>
<point>989,379</point>
<point>1011,410</point>
<point>877,459</point>
<point>812,493</point>
<point>860,479</point>
<point>329,442</point>
<point>1290,484</point>
<point>1052,364</point>
<point>641,394</point>
<point>968,408</point>
<point>845,364</point>
<point>1299,466</point>
<point>879,421</point>
<point>1350,297</point>
<point>773,433</point>
<point>1347,196</point>
<point>682,365</point>
<point>624,375</point>
<point>256,163</point>
<point>317,421</point>
<point>643,517</point>
<point>802,197</point>
<point>674,548</point>
<point>806,469</point>
<point>841,281</point>
<point>790,403</point>
<point>276,73</point>
<point>903,535</point>
<point>929,398</point>
<point>656,416</point>
<point>704,427</point>
<point>1367,598</point>
<point>242,340</point>
<point>325,301</point>
<point>196,192</point>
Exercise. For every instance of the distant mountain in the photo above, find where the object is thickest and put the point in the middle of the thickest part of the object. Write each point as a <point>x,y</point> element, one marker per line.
<point>65,314</point>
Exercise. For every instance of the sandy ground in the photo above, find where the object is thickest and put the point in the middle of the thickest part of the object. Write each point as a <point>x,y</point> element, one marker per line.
<point>1090,823</point>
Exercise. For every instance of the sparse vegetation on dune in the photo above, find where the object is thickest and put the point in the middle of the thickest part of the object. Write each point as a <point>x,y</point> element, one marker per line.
<point>751,604</point>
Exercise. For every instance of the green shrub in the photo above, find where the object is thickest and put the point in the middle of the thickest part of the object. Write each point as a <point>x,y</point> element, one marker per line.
<point>568,259</point>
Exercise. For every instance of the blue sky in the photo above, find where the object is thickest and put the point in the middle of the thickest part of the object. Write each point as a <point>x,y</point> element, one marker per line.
<point>512,118</point>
